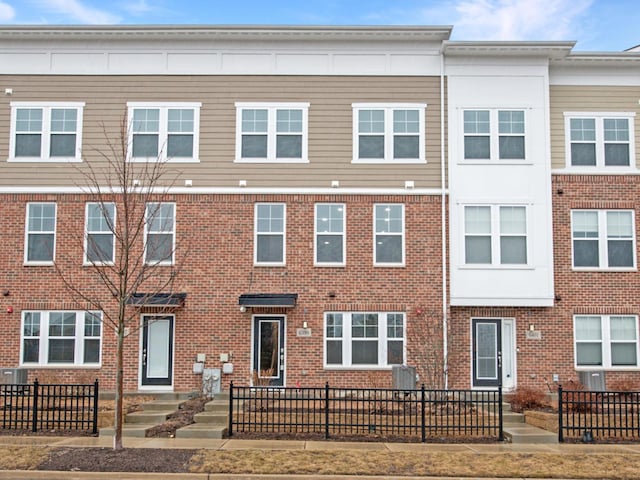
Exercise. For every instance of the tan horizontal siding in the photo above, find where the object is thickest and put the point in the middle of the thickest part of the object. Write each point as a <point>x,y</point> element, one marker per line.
<point>330,125</point>
<point>588,99</point>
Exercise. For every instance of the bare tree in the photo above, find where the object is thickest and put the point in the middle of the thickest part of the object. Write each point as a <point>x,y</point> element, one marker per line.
<point>127,201</point>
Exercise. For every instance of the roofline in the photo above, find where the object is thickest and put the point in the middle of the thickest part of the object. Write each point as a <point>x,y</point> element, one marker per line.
<point>550,49</point>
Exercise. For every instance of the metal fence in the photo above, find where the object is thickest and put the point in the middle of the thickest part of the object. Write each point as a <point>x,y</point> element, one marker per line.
<point>328,412</point>
<point>38,407</point>
<point>592,416</point>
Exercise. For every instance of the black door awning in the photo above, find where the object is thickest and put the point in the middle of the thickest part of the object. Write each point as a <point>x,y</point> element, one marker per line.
<point>281,300</point>
<point>157,299</point>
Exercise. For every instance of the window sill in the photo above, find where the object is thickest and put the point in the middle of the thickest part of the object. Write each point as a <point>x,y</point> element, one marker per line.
<point>271,160</point>
<point>44,160</point>
<point>58,366</point>
<point>604,270</point>
<point>162,160</point>
<point>496,267</point>
<point>357,368</point>
<point>389,265</point>
<point>596,171</point>
<point>495,162</point>
<point>388,161</point>
<point>38,264</point>
<point>98,264</point>
<point>607,369</point>
<point>255,264</point>
<point>330,265</point>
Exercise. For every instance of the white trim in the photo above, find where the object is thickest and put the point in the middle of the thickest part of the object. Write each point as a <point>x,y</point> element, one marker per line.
<point>256,263</point>
<point>605,342</point>
<point>158,388</point>
<point>316,235</point>
<point>45,132</point>
<point>514,351</point>
<point>402,236</point>
<point>47,232</point>
<point>172,232</point>
<point>111,231</point>
<point>283,346</point>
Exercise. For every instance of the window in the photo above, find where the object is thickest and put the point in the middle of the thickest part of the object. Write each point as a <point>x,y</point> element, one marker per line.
<point>388,133</point>
<point>330,231</point>
<point>603,239</point>
<point>268,132</point>
<point>160,233</point>
<point>599,140</point>
<point>49,131</point>
<point>164,132</point>
<point>100,233</point>
<point>495,235</point>
<point>40,233</point>
<point>269,242</point>
<point>606,341</point>
<point>61,338</point>
<point>388,242</point>
<point>494,135</point>
<point>364,340</point>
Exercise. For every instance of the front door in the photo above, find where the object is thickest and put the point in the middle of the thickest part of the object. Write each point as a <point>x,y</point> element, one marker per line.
<point>493,352</point>
<point>268,351</point>
<point>157,350</point>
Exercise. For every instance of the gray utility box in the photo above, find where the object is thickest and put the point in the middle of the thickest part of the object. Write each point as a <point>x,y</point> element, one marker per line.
<point>594,381</point>
<point>210,382</point>
<point>13,376</point>
<point>403,377</point>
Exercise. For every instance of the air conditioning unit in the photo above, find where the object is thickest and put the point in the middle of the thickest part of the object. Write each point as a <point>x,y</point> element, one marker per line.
<point>403,377</point>
<point>593,381</point>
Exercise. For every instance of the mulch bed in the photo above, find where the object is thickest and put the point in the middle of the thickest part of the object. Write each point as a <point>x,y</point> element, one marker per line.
<point>180,418</point>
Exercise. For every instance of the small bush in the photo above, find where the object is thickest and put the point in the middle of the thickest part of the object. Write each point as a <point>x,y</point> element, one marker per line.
<point>528,399</point>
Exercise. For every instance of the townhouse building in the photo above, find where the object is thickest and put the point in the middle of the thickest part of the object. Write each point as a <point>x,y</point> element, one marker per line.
<point>335,201</point>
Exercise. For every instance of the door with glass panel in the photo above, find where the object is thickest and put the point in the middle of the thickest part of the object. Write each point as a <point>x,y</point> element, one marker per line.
<point>157,350</point>
<point>487,352</point>
<point>268,351</point>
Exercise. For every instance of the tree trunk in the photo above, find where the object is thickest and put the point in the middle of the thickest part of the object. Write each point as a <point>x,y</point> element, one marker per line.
<point>117,434</point>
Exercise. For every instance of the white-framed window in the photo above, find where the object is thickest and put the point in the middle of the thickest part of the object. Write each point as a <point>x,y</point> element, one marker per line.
<point>330,244</point>
<point>167,131</point>
<point>272,132</point>
<point>389,132</point>
<point>61,338</point>
<point>160,233</point>
<point>606,341</point>
<point>603,140</point>
<point>270,234</point>
<point>603,239</point>
<point>364,339</point>
<point>100,247</point>
<point>388,234</point>
<point>495,235</point>
<point>494,135</point>
<point>40,233</point>
<point>46,131</point>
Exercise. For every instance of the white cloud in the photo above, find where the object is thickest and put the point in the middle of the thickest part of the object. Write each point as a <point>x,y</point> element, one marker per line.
<point>139,7</point>
<point>7,12</point>
<point>519,19</point>
<point>76,11</point>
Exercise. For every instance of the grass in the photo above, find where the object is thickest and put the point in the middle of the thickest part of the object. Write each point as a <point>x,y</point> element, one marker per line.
<point>22,457</point>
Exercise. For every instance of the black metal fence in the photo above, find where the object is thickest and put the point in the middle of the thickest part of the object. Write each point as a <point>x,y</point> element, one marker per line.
<point>418,415</point>
<point>598,416</point>
<point>38,407</point>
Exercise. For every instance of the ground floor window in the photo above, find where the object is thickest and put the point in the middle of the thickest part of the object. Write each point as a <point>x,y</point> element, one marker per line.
<point>364,339</point>
<point>606,341</point>
<point>61,338</point>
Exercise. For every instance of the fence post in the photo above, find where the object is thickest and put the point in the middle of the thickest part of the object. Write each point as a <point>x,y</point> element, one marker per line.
<point>34,426</point>
<point>501,433</point>
<point>560,426</point>
<point>231,409</point>
<point>326,410</point>
<point>423,405</point>
<point>95,407</point>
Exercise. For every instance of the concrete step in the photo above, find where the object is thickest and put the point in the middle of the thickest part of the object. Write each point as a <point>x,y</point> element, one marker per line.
<point>529,434</point>
<point>512,417</point>
<point>110,395</point>
<point>128,430</point>
<point>221,396</point>
<point>211,418</point>
<point>201,430</point>
<point>163,405</point>
<point>155,417</point>
<point>217,406</point>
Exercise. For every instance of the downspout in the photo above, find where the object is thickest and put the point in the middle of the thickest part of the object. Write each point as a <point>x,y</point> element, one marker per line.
<point>443,207</point>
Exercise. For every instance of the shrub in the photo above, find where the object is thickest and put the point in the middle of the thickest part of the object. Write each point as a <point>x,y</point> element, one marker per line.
<point>528,399</point>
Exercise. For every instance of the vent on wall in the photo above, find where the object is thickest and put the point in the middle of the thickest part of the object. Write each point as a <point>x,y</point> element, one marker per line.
<point>593,381</point>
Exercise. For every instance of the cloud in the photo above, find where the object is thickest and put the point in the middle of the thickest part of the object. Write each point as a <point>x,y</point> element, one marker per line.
<point>519,19</point>
<point>7,12</point>
<point>139,7</point>
<point>76,11</point>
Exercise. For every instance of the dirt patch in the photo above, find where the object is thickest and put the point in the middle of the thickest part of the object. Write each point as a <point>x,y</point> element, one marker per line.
<point>181,418</point>
<point>73,459</point>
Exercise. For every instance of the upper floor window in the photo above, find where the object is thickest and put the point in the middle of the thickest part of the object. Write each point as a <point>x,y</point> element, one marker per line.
<point>330,232</point>
<point>603,239</point>
<point>495,235</point>
<point>606,341</point>
<point>389,133</point>
<point>494,134</point>
<point>599,140</point>
<point>164,131</point>
<point>269,241</point>
<point>388,242</point>
<point>50,131</point>
<point>100,233</point>
<point>160,233</point>
<point>40,234</point>
<point>60,338</point>
<point>272,132</point>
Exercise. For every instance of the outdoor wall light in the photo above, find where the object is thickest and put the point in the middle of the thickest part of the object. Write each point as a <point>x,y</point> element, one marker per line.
<point>335,183</point>
<point>409,184</point>
<point>305,325</point>
<point>242,183</point>
<point>532,328</point>
<point>243,309</point>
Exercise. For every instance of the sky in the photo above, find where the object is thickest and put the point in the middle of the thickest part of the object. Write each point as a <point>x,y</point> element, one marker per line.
<point>596,25</point>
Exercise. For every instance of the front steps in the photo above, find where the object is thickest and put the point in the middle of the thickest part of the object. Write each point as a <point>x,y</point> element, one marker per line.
<point>212,423</point>
<point>517,431</point>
